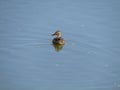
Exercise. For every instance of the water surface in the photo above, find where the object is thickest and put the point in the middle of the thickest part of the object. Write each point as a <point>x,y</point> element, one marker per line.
<point>90,59</point>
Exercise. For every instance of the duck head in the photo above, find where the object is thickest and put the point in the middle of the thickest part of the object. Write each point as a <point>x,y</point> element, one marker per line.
<point>57,34</point>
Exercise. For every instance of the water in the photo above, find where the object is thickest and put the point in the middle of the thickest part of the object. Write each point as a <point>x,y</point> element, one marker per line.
<point>90,59</point>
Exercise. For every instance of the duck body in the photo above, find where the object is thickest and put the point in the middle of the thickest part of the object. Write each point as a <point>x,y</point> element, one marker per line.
<point>58,40</point>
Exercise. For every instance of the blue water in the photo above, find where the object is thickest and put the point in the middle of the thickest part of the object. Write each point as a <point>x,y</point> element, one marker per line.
<point>90,59</point>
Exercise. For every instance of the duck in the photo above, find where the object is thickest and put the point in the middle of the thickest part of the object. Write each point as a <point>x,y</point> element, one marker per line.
<point>58,40</point>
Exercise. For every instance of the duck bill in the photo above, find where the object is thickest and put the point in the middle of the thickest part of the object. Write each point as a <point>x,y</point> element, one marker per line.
<point>53,34</point>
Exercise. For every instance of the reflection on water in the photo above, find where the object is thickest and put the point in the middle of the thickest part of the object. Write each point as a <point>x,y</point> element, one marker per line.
<point>58,47</point>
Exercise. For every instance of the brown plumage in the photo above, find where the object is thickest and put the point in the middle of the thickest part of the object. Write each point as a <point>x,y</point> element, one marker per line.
<point>58,40</point>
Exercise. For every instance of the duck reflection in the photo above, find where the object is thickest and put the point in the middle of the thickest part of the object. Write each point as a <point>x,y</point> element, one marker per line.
<point>58,47</point>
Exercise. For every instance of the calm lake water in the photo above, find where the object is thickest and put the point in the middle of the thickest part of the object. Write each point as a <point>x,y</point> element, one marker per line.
<point>90,59</point>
